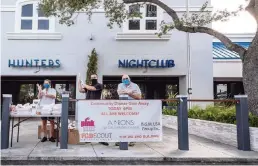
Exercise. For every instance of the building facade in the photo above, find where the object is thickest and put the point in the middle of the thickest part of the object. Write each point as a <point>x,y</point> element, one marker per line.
<point>35,47</point>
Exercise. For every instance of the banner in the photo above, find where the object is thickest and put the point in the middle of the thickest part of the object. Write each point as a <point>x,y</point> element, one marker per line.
<point>120,120</point>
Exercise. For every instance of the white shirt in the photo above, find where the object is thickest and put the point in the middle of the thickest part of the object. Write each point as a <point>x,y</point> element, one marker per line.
<point>132,86</point>
<point>47,100</point>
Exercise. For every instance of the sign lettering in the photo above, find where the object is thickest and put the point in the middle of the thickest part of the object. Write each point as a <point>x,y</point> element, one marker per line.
<point>34,63</point>
<point>146,63</point>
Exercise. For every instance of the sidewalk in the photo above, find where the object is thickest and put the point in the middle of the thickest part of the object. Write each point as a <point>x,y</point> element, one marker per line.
<point>30,150</point>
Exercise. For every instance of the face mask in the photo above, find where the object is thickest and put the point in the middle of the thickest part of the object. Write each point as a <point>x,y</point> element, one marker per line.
<point>126,82</point>
<point>94,81</point>
<point>46,86</point>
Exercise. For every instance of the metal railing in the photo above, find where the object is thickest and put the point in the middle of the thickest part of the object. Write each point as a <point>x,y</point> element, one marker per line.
<point>240,101</point>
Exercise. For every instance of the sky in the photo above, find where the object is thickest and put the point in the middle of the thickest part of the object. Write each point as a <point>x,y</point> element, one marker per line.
<point>244,23</point>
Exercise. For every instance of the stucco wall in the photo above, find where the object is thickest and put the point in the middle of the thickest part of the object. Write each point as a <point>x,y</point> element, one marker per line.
<point>75,45</point>
<point>227,69</point>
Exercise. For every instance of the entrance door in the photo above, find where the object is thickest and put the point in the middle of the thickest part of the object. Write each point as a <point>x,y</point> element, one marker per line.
<point>24,89</point>
<point>151,87</point>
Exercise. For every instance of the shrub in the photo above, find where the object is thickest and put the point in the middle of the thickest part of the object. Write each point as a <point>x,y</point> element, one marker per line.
<point>215,113</point>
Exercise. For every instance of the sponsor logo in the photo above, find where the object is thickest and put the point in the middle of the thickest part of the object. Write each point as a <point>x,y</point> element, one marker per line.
<point>150,128</point>
<point>121,124</point>
<point>150,124</point>
<point>88,125</point>
<point>96,136</point>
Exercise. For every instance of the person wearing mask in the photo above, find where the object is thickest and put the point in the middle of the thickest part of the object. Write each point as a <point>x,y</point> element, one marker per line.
<point>47,96</point>
<point>92,91</point>
<point>132,90</point>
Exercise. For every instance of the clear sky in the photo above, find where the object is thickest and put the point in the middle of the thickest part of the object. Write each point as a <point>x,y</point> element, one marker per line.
<point>244,23</point>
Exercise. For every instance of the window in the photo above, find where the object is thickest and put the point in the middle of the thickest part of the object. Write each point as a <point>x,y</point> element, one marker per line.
<point>151,18</point>
<point>30,19</point>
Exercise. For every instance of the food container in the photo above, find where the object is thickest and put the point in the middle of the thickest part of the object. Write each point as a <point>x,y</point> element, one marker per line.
<point>36,102</point>
<point>24,111</point>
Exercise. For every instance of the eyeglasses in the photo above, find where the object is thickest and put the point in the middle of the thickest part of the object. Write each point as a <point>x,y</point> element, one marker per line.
<point>125,79</point>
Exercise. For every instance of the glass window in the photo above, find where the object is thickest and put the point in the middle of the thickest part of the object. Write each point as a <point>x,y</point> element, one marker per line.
<point>33,18</point>
<point>26,24</point>
<point>134,24</point>
<point>151,11</point>
<point>27,10</point>
<point>26,94</point>
<point>151,24</point>
<point>40,12</point>
<point>43,24</point>
<point>221,91</point>
<point>60,88</point>
<point>134,9</point>
<point>72,91</point>
<point>171,90</point>
<point>110,91</point>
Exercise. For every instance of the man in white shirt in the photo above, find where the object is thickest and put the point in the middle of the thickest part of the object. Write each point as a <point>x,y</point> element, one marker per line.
<point>130,89</point>
<point>47,96</point>
<point>127,87</point>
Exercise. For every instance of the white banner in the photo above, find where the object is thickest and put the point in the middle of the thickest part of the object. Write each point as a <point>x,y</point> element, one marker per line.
<point>120,120</point>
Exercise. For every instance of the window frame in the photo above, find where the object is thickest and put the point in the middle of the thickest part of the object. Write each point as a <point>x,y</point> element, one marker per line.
<point>35,18</point>
<point>143,10</point>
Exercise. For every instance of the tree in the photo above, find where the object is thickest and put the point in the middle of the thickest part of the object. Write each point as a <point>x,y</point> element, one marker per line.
<point>194,23</point>
<point>92,65</point>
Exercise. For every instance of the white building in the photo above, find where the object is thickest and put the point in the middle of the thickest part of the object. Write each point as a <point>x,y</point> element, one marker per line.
<point>32,40</point>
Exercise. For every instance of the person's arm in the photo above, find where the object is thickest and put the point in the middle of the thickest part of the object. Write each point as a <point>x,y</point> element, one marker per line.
<point>93,88</point>
<point>51,94</point>
<point>137,95</point>
<point>80,87</point>
<point>40,94</point>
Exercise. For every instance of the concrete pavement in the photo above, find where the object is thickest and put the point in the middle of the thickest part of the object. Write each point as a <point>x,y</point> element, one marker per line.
<point>29,150</point>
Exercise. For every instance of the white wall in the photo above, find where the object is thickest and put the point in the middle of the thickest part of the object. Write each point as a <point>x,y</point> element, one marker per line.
<point>227,69</point>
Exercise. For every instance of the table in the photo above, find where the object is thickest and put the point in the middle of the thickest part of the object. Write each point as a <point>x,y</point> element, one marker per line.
<point>28,117</point>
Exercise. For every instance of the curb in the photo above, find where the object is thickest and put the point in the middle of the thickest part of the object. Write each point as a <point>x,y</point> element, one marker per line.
<point>125,161</point>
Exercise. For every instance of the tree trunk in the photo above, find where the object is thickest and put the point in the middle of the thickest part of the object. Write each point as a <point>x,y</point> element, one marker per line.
<point>250,75</point>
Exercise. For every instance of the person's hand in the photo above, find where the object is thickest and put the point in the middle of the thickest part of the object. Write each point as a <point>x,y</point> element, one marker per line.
<point>39,87</point>
<point>129,92</point>
<point>121,92</point>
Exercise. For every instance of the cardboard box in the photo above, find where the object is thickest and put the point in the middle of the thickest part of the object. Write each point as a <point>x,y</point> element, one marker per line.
<point>73,137</point>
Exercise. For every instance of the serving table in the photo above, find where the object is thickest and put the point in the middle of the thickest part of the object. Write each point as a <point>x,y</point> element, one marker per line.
<point>19,116</point>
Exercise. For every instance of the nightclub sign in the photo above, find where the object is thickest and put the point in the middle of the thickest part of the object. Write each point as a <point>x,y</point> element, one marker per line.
<point>34,63</point>
<point>146,63</point>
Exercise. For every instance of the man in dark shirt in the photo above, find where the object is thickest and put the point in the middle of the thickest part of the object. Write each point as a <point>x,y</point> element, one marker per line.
<point>92,91</point>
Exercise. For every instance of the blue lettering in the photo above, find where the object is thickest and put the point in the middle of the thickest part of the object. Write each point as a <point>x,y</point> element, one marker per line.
<point>121,64</point>
<point>43,63</point>
<point>171,63</point>
<point>10,64</point>
<point>127,63</point>
<point>157,64</point>
<point>150,63</point>
<point>28,63</point>
<point>36,60</point>
<point>163,65</point>
<point>145,63</point>
<point>132,65</point>
<point>58,63</point>
<point>139,64</point>
<point>51,63</point>
<point>19,64</point>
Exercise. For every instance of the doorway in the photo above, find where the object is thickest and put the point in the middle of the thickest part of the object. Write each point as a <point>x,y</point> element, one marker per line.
<point>24,89</point>
<point>152,87</point>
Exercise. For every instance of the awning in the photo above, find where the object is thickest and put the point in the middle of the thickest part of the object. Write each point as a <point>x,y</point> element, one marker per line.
<point>221,52</point>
